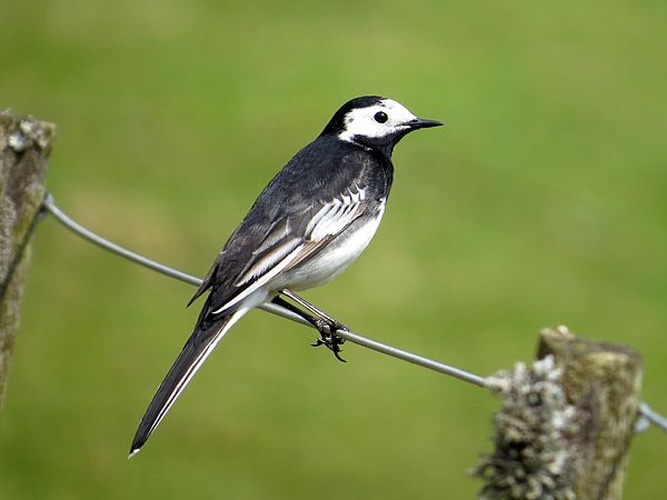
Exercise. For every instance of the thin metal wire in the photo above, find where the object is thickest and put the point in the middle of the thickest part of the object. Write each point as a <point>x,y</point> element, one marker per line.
<point>69,223</point>
<point>645,411</point>
<point>652,416</point>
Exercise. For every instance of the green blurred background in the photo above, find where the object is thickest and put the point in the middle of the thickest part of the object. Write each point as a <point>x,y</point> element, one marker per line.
<point>543,201</point>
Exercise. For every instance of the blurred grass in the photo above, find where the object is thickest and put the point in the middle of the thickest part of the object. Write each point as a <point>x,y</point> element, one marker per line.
<point>541,202</point>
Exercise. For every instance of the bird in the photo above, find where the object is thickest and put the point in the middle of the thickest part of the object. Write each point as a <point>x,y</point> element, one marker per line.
<point>313,219</point>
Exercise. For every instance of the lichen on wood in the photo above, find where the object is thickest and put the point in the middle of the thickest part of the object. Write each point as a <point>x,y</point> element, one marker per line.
<point>566,422</point>
<point>25,144</point>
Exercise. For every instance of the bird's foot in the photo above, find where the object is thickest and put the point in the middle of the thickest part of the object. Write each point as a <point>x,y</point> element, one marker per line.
<point>328,337</point>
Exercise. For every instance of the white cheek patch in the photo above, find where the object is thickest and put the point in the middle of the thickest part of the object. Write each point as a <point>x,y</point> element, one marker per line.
<point>361,122</point>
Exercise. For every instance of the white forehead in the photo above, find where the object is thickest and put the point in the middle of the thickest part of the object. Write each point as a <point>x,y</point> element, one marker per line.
<point>362,122</point>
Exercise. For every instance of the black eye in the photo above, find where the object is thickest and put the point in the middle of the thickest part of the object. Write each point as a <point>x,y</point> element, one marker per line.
<point>381,117</point>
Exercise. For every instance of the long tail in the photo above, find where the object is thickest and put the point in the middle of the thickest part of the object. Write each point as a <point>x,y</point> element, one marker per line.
<point>200,344</point>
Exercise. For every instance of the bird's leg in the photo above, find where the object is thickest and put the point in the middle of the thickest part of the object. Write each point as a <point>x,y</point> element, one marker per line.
<point>325,324</point>
<point>322,321</point>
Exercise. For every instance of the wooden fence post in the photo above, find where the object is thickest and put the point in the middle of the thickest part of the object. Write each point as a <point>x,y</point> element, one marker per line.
<point>25,144</point>
<point>566,423</point>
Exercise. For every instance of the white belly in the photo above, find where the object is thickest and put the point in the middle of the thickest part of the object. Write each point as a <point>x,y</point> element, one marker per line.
<point>335,258</point>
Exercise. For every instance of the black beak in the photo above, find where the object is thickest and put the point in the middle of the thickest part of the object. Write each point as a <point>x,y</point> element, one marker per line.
<point>423,123</point>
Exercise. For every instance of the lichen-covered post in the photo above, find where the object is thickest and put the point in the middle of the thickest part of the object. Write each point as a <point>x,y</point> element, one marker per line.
<point>603,382</point>
<point>566,422</point>
<point>25,144</point>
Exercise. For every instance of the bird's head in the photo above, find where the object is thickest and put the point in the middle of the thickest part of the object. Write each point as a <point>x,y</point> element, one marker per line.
<point>375,122</point>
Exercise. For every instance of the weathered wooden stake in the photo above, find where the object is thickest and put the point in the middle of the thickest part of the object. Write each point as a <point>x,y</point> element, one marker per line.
<point>566,423</point>
<point>25,144</point>
<point>602,380</point>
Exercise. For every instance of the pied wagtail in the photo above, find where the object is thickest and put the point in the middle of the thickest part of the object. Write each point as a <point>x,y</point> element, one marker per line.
<point>310,223</point>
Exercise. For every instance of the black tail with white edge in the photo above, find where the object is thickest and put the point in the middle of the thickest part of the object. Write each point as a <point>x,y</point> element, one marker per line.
<point>200,344</point>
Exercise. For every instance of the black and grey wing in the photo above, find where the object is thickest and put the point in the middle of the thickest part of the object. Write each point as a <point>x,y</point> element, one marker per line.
<point>310,203</point>
<point>292,240</point>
